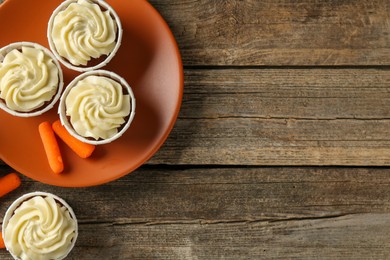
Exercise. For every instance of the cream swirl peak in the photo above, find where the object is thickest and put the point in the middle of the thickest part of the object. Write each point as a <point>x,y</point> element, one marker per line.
<point>28,79</point>
<point>97,107</point>
<point>40,228</point>
<point>83,31</point>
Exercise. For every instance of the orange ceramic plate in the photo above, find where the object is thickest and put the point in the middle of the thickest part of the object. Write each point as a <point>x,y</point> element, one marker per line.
<point>148,59</point>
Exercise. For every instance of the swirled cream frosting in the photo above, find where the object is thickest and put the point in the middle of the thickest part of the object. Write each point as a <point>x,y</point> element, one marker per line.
<point>28,79</point>
<point>97,107</point>
<point>83,31</point>
<point>40,228</point>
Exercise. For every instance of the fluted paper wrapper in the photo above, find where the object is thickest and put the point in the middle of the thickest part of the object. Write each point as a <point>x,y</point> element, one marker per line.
<point>64,61</point>
<point>18,45</point>
<point>62,106</point>
<point>10,211</point>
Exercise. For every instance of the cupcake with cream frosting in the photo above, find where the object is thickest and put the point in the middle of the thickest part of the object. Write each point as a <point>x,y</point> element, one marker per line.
<point>84,34</point>
<point>31,79</point>
<point>39,225</point>
<point>97,107</point>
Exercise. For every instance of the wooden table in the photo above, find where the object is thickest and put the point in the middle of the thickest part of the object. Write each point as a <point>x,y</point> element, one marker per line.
<point>281,149</point>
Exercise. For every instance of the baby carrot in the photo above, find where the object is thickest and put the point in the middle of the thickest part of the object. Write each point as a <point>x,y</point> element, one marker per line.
<point>2,245</point>
<point>8,183</point>
<point>83,150</point>
<point>51,147</point>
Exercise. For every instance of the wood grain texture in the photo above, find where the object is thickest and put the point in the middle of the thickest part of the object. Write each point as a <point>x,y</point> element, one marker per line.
<point>204,213</point>
<point>340,237</point>
<point>269,32</point>
<point>282,117</point>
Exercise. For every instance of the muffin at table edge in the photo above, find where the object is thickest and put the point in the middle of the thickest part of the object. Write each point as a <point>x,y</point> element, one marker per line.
<point>39,225</point>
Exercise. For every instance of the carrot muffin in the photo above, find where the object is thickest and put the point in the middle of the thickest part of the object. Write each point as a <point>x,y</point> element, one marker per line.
<point>84,34</point>
<point>97,107</point>
<point>30,79</point>
<point>39,225</point>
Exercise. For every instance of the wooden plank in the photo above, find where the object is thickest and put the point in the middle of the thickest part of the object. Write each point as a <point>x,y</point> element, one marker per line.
<point>327,93</point>
<point>280,32</point>
<point>208,213</point>
<point>285,142</point>
<point>282,117</point>
<point>352,237</point>
<point>225,194</point>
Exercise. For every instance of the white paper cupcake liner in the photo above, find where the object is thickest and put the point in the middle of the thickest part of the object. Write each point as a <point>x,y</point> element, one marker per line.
<point>62,106</point>
<point>64,61</point>
<point>18,45</point>
<point>10,211</point>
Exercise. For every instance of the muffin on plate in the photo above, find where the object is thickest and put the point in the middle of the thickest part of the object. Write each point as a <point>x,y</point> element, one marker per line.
<point>97,107</point>
<point>31,79</point>
<point>39,225</point>
<point>84,35</point>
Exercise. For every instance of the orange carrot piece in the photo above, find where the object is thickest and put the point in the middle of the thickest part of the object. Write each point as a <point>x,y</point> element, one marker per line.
<point>2,245</point>
<point>52,150</point>
<point>83,150</point>
<point>8,183</point>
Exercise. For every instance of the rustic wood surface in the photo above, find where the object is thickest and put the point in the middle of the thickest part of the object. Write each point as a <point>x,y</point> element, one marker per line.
<point>208,213</point>
<point>282,145</point>
<point>280,32</point>
<point>282,117</point>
